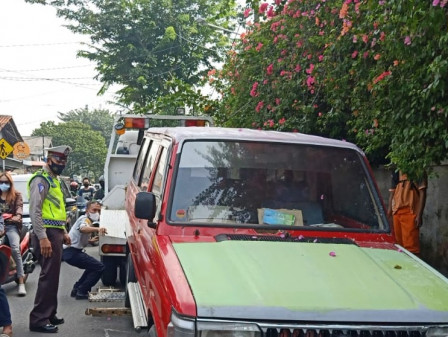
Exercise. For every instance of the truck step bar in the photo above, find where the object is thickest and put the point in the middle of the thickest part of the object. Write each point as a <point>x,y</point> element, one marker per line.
<point>137,307</point>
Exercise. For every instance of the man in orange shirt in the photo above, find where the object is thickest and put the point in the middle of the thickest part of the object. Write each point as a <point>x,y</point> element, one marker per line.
<point>406,203</point>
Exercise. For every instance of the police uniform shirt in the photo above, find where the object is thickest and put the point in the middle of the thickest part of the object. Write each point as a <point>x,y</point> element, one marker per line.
<point>38,191</point>
<point>78,239</point>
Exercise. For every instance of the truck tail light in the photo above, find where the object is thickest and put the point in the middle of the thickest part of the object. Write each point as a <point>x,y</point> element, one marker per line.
<point>195,122</point>
<point>136,123</point>
<point>115,249</point>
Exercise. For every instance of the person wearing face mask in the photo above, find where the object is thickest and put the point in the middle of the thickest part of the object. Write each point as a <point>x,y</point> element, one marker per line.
<point>48,216</point>
<point>86,191</point>
<point>11,207</point>
<point>74,254</point>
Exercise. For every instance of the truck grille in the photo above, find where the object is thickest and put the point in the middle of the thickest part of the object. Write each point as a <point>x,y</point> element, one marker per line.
<point>283,238</point>
<point>355,332</point>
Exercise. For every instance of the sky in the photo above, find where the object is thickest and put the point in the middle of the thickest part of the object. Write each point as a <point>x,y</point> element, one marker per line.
<point>40,74</point>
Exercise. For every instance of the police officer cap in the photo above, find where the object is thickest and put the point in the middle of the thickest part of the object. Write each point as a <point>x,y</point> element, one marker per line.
<point>62,150</point>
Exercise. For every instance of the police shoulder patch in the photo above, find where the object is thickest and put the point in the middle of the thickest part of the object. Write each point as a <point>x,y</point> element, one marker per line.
<point>41,187</point>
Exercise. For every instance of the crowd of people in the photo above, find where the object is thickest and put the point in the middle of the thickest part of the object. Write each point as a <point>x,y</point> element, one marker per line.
<point>50,241</point>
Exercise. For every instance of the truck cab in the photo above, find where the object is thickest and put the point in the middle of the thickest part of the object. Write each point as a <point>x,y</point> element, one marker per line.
<point>249,233</point>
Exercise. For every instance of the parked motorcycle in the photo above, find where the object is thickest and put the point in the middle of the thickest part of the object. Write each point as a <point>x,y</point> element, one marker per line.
<point>28,258</point>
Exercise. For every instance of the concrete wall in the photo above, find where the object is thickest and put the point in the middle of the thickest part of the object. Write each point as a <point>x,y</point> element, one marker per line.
<point>434,232</point>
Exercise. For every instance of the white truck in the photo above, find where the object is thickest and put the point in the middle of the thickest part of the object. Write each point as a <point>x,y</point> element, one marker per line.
<point>118,169</point>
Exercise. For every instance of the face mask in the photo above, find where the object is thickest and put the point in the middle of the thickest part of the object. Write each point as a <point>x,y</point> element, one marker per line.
<point>94,216</point>
<point>86,184</point>
<point>55,168</point>
<point>4,187</point>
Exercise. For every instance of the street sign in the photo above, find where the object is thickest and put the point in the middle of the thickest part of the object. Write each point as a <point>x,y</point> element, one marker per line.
<point>21,150</point>
<point>5,148</point>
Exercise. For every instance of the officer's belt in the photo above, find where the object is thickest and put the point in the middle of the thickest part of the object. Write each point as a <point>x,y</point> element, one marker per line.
<point>54,223</point>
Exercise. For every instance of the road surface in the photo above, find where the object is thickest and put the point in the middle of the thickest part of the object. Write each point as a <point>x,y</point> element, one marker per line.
<point>77,323</point>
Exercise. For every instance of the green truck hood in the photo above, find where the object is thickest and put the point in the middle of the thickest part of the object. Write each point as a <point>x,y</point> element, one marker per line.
<point>303,281</point>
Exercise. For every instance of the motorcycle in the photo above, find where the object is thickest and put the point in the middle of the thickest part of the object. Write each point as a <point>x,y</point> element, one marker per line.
<point>26,251</point>
<point>81,205</point>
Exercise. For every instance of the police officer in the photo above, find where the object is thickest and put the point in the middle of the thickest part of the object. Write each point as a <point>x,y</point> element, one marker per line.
<point>48,216</point>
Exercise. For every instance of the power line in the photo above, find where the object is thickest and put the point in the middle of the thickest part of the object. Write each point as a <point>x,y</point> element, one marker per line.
<point>38,44</point>
<point>32,79</point>
<point>46,69</point>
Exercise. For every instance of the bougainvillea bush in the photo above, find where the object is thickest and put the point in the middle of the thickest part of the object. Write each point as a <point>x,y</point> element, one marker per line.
<point>371,72</point>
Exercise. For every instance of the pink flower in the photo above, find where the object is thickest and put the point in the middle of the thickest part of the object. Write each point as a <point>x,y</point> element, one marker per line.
<point>263,7</point>
<point>435,2</point>
<point>407,40</point>
<point>265,82</point>
<point>377,57</point>
<point>278,101</point>
<point>354,54</point>
<point>310,81</point>
<point>278,2</point>
<point>365,54</point>
<point>365,38</point>
<point>320,114</point>
<point>247,12</point>
<point>269,69</point>
<point>253,92</point>
<point>282,121</point>
<point>321,58</point>
<point>258,47</point>
<point>298,68</point>
<point>270,13</point>
<point>310,69</point>
<point>259,106</point>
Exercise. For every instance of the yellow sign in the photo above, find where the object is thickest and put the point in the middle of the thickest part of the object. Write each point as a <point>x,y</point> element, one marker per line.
<point>5,148</point>
<point>21,150</point>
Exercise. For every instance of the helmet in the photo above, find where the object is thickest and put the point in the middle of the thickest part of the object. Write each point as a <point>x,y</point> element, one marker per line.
<point>74,185</point>
<point>101,178</point>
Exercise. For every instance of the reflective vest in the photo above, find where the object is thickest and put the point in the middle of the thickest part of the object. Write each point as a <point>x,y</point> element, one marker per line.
<point>53,206</point>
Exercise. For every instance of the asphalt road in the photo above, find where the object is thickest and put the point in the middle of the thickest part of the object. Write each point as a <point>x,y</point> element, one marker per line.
<point>77,323</point>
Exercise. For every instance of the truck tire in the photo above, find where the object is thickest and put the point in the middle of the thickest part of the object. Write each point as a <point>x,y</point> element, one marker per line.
<point>122,272</point>
<point>130,277</point>
<point>152,331</point>
<point>109,276</point>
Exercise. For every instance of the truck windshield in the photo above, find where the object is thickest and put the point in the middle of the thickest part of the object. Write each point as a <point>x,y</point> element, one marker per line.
<point>274,184</point>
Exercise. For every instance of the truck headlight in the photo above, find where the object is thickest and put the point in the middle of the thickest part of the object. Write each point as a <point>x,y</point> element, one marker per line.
<point>187,327</point>
<point>228,329</point>
<point>437,332</point>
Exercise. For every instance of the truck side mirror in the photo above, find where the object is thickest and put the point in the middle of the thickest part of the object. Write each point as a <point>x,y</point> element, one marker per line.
<point>145,207</point>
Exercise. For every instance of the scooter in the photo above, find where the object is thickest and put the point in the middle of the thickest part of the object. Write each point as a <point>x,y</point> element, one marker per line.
<point>28,258</point>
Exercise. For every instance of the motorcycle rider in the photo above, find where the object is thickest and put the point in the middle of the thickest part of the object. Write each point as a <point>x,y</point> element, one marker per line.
<point>11,207</point>
<point>86,191</point>
<point>99,194</point>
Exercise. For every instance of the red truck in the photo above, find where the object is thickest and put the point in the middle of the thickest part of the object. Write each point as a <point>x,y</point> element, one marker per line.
<point>249,233</point>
